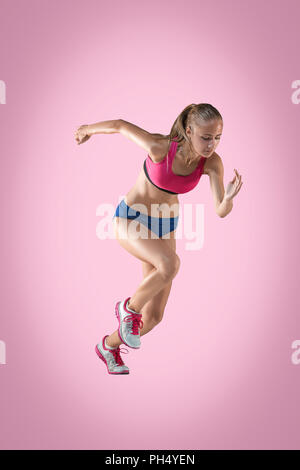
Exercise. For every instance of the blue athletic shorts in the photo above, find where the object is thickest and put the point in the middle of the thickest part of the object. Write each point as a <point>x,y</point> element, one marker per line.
<point>159,225</point>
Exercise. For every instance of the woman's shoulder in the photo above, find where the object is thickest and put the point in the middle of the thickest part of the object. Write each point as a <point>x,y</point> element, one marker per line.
<point>213,163</point>
<point>161,148</point>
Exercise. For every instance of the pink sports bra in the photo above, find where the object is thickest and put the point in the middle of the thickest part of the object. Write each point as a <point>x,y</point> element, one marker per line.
<point>161,175</point>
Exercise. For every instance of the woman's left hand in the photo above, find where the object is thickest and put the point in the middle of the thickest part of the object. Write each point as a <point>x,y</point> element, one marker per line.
<point>233,187</point>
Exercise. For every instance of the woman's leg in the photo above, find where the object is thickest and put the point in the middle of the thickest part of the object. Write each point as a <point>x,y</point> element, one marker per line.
<point>153,310</point>
<point>157,252</point>
<point>160,266</point>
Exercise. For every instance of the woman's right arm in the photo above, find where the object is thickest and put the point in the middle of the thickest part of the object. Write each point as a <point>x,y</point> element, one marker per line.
<point>104,127</point>
<point>84,132</point>
<point>151,143</point>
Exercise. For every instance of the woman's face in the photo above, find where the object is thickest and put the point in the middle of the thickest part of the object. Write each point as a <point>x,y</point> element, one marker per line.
<point>206,137</point>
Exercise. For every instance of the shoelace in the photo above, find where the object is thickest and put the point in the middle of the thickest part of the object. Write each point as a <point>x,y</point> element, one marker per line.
<point>137,322</point>
<point>116,353</point>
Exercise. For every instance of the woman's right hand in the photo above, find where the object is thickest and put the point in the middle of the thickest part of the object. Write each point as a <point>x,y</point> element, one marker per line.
<point>82,134</point>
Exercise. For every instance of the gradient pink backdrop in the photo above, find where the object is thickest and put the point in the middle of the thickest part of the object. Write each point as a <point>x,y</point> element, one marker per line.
<point>216,373</point>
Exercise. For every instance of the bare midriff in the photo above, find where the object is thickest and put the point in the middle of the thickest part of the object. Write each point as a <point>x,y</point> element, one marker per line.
<point>157,202</point>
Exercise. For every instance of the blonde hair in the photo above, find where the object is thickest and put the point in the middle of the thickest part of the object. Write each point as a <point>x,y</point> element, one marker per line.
<point>191,116</point>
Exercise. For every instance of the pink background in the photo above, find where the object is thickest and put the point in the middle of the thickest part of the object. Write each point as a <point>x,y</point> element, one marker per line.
<point>216,373</point>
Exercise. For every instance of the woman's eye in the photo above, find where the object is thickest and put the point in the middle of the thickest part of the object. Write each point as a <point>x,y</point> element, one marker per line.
<point>207,138</point>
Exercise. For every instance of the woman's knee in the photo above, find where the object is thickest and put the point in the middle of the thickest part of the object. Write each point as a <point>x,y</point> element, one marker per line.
<point>155,318</point>
<point>169,267</point>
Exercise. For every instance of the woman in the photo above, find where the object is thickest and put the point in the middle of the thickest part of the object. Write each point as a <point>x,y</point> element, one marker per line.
<point>174,166</point>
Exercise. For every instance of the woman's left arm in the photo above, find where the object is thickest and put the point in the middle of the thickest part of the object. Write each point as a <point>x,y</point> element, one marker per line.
<point>222,199</point>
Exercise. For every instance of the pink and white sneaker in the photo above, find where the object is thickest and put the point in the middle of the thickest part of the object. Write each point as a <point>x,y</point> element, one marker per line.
<point>112,358</point>
<point>130,323</point>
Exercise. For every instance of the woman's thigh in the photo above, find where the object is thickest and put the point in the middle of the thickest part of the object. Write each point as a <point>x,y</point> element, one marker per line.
<point>151,251</point>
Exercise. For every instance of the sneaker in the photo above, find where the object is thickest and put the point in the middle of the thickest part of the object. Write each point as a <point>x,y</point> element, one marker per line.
<point>130,323</point>
<point>112,358</point>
